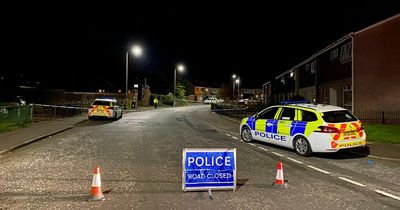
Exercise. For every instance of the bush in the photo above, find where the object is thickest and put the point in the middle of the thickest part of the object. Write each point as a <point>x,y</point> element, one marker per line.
<point>168,100</point>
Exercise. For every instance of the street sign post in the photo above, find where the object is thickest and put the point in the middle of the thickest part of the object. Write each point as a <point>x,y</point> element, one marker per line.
<point>209,168</point>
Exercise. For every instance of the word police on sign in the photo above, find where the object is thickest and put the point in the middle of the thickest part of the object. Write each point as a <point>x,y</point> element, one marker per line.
<point>206,169</point>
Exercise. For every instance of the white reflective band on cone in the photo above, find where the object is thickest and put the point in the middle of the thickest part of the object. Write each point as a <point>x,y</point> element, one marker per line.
<point>279,174</point>
<point>96,180</point>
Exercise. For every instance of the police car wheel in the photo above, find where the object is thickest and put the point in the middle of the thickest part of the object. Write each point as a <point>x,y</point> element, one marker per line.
<point>246,135</point>
<point>302,146</point>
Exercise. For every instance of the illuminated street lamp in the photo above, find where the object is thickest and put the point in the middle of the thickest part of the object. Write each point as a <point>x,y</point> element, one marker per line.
<point>137,52</point>
<point>180,68</point>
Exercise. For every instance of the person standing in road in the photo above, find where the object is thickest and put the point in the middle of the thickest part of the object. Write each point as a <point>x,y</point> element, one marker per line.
<point>155,101</point>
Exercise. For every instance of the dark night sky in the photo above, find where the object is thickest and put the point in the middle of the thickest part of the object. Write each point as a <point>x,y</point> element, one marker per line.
<point>72,46</point>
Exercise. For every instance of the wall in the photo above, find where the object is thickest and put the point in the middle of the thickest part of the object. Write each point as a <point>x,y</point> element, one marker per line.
<point>377,67</point>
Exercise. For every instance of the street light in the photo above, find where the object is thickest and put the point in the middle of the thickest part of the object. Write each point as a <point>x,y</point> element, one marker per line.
<point>180,68</point>
<point>137,52</point>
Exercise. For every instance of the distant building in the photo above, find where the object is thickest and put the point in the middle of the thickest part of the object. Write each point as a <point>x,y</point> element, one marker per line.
<point>253,94</point>
<point>360,72</point>
<point>199,91</point>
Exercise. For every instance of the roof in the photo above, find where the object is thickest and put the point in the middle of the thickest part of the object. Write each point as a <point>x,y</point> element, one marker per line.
<point>378,24</point>
<point>334,44</point>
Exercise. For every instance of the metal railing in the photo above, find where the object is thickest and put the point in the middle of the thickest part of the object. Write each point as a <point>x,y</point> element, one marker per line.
<point>240,111</point>
<point>43,111</point>
<point>236,111</point>
<point>379,117</point>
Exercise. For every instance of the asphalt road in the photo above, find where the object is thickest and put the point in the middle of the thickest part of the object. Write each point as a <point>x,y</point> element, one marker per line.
<point>140,157</point>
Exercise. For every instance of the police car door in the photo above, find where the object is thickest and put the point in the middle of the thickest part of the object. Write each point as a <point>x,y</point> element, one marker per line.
<point>266,124</point>
<point>286,119</point>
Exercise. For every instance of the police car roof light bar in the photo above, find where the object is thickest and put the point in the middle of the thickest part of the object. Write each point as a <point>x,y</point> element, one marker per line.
<point>295,102</point>
<point>107,97</point>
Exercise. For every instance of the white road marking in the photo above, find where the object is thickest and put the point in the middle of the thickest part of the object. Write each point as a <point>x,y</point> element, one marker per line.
<point>387,194</point>
<point>351,181</point>
<point>235,137</point>
<point>294,160</point>
<point>318,169</point>
<point>252,144</point>
<point>227,134</point>
<point>263,148</point>
<point>277,154</point>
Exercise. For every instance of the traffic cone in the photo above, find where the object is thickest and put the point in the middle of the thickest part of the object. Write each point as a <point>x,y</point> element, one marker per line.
<point>279,181</point>
<point>96,194</point>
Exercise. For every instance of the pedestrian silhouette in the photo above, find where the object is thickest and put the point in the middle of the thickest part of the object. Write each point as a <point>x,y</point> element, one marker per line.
<point>155,101</point>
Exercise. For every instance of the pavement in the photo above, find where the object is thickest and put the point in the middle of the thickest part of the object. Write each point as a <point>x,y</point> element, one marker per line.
<point>12,140</point>
<point>15,139</point>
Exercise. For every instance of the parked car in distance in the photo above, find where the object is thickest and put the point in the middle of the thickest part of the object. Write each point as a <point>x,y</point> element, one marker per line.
<point>213,100</point>
<point>105,108</point>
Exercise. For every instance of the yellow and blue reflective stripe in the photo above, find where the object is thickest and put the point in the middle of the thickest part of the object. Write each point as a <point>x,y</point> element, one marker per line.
<point>251,122</point>
<point>298,127</point>
<point>272,129</point>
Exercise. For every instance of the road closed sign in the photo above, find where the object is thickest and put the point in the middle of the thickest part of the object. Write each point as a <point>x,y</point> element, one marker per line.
<point>209,169</point>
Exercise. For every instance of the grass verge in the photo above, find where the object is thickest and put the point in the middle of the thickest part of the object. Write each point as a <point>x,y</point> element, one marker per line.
<point>7,127</point>
<point>378,133</point>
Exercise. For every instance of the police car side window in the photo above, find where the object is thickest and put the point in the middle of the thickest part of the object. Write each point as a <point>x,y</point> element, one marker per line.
<point>287,114</point>
<point>308,116</point>
<point>268,114</point>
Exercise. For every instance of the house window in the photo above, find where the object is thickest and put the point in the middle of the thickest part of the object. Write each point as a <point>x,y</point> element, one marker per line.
<point>347,97</point>
<point>345,53</point>
<point>313,67</point>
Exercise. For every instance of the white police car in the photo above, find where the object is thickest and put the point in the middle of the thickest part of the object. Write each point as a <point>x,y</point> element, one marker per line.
<point>306,128</point>
<point>105,108</point>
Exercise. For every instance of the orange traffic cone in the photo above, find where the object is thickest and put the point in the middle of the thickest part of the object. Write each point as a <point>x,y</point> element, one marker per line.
<point>279,181</point>
<point>96,194</point>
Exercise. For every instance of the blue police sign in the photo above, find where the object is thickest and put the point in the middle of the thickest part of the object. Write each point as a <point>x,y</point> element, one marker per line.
<point>205,169</point>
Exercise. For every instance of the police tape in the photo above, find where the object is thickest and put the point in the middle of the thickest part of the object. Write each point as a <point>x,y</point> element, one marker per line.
<point>57,106</point>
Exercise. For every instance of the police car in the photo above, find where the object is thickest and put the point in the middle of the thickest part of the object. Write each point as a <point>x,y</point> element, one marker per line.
<point>105,108</point>
<point>306,128</point>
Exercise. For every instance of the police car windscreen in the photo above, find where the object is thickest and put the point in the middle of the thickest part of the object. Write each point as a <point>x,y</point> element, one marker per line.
<point>101,103</point>
<point>338,116</point>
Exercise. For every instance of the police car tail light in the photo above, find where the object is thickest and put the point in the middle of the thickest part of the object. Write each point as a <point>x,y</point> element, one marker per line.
<point>110,107</point>
<point>328,129</point>
<point>360,128</point>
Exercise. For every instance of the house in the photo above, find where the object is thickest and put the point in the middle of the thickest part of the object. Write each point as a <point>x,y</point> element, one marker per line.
<point>199,91</point>
<point>360,72</point>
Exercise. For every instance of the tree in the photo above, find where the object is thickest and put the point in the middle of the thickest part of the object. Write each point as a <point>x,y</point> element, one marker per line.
<point>225,91</point>
<point>180,91</point>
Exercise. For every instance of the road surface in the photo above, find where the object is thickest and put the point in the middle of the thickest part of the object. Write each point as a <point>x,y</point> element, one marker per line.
<point>140,157</point>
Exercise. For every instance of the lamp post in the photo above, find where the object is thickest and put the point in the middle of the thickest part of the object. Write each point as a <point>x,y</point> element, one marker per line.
<point>180,68</point>
<point>238,83</point>
<point>137,52</point>
<point>233,89</point>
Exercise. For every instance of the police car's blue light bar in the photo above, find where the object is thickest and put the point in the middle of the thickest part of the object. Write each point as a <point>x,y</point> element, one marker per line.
<point>107,97</point>
<point>295,102</point>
